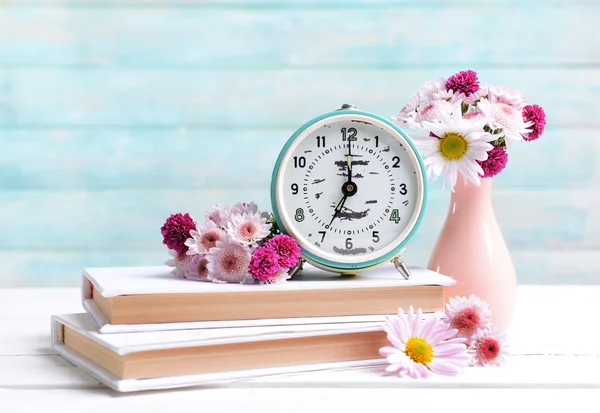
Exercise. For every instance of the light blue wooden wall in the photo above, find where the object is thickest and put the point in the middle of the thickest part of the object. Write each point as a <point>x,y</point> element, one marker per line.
<point>114,114</point>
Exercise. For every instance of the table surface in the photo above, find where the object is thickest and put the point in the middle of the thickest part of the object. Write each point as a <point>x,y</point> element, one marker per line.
<point>554,363</point>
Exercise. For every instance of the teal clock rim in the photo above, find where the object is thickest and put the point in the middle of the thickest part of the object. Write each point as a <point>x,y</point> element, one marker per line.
<point>338,265</point>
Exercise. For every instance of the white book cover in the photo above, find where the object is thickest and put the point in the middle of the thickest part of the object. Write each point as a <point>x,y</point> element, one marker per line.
<point>126,343</point>
<point>114,281</point>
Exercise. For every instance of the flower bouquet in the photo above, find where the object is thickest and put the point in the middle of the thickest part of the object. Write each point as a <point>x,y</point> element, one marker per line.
<point>240,244</point>
<point>468,128</point>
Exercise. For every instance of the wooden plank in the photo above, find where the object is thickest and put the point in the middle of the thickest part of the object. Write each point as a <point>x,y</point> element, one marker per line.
<point>193,158</point>
<point>262,98</point>
<point>131,219</point>
<point>242,37</point>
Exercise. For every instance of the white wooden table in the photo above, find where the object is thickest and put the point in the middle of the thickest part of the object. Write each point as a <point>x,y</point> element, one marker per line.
<point>554,363</point>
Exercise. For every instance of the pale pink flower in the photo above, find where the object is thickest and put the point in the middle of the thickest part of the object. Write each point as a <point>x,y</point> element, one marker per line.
<point>218,214</point>
<point>505,117</point>
<point>432,111</point>
<point>228,262</point>
<point>506,95</point>
<point>179,263</point>
<point>466,315</point>
<point>487,348</point>
<point>197,268</point>
<point>204,238</point>
<point>421,348</point>
<point>248,228</point>
<point>408,111</point>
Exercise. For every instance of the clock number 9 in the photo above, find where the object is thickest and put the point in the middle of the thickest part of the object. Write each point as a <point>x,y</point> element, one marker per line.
<point>351,134</point>
<point>294,189</point>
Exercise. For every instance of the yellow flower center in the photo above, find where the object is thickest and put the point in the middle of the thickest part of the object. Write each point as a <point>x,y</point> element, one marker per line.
<point>419,350</point>
<point>453,146</point>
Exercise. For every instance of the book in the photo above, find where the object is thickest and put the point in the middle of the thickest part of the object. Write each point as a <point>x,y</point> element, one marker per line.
<point>129,299</point>
<point>167,359</point>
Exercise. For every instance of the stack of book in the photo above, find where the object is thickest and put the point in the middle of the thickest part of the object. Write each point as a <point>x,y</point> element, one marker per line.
<point>146,329</point>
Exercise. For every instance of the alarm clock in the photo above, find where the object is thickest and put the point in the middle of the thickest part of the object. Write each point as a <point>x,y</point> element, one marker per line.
<point>350,188</point>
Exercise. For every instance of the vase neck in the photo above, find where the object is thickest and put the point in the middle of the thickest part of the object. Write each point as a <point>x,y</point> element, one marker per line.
<point>470,189</point>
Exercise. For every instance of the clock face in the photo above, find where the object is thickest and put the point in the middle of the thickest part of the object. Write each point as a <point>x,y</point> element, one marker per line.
<point>349,189</point>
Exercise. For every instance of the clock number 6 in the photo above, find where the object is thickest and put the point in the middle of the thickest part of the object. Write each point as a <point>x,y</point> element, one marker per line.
<point>349,243</point>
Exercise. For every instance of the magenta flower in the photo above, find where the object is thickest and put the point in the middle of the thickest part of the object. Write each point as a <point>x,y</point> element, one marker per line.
<point>535,114</point>
<point>264,264</point>
<point>420,348</point>
<point>287,250</point>
<point>176,230</point>
<point>463,82</point>
<point>495,163</point>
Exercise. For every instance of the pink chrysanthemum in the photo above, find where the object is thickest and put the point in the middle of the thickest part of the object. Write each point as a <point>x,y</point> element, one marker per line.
<point>179,262</point>
<point>421,348</point>
<point>248,228</point>
<point>264,264</point>
<point>466,315</point>
<point>204,238</point>
<point>463,82</point>
<point>535,114</point>
<point>218,214</point>
<point>487,348</point>
<point>176,230</point>
<point>495,163</point>
<point>287,250</point>
<point>197,269</point>
<point>228,262</point>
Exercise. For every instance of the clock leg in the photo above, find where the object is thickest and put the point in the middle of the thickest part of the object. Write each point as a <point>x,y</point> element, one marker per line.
<point>296,269</point>
<point>401,267</point>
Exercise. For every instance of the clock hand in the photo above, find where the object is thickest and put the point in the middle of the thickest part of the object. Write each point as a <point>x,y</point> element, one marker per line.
<point>338,208</point>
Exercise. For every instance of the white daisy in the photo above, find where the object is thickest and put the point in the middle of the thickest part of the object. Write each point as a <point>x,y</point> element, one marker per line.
<point>228,262</point>
<point>248,228</point>
<point>204,238</point>
<point>505,117</point>
<point>456,147</point>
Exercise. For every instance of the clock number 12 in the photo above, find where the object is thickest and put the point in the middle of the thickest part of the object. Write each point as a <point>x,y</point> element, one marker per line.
<point>351,135</point>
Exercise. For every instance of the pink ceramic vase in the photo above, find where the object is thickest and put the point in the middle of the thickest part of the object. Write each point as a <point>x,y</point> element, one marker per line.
<point>472,250</point>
